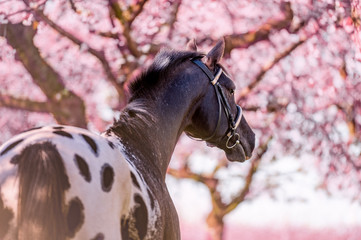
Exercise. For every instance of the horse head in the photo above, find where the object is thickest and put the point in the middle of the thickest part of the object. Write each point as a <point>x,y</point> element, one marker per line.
<point>217,119</point>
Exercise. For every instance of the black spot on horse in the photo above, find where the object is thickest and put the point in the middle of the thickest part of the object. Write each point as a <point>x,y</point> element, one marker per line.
<point>6,215</point>
<point>99,236</point>
<point>75,216</point>
<point>151,197</point>
<point>91,143</point>
<point>140,215</point>
<point>15,159</point>
<point>134,180</point>
<point>63,133</point>
<point>111,144</point>
<point>124,228</point>
<point>32,129</point>
<point>107,176</point>
<point>11,146</point>
<point>83,167</point>
<point>58,127</point>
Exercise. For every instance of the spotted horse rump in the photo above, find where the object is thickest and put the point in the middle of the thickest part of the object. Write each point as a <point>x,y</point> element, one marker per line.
<point>84,180</point>
<point>62,182</point>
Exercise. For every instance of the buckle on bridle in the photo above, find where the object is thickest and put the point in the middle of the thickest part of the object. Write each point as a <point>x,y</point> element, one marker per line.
<point>230,136</point>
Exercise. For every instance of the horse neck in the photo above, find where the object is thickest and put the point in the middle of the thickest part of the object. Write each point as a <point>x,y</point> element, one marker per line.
<point>150,129</point>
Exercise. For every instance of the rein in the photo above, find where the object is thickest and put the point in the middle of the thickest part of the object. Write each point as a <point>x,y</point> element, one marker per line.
<point>222,102</point>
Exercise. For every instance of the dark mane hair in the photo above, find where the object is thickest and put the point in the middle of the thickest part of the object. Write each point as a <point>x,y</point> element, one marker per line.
<point>163,63</point>
<point>137,115</point>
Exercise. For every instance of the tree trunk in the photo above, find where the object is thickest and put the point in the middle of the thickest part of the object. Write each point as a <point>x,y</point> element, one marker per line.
<point>216,225</point>
<point>66,107</point>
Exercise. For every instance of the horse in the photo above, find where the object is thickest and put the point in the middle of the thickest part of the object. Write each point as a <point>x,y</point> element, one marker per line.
<point>62,182</point>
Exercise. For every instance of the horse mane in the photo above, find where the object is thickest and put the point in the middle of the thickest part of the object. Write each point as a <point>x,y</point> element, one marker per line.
<point>164,63</point>
<point>145,88</point>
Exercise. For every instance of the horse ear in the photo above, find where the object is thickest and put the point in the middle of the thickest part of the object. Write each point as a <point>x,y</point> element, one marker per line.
<point>192,45</point>
<point>215,55</point>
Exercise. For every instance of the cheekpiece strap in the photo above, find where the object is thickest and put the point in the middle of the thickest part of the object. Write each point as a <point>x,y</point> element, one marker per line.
<point>202,66</point>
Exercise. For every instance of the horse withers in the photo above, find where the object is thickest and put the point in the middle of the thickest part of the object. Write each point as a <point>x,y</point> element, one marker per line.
<point>63,182</point>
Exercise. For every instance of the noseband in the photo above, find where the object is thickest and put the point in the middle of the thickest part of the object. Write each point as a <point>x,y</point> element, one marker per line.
<point>222,102</point>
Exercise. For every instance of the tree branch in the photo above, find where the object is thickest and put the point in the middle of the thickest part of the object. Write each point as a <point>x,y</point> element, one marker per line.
<point>173,19</point>
<point>66,107</point>
<point>252,170</point>
<point>24,104</point>
<point>72,5</point>
<point>185,172</point>
<point>98,54</point>
<point>126,18</point>
<point>135,10</point>
<point>244,40</point>
<point>105,34</point>
<point>251,108</point>
<point>20,37</point>
<point>267,67</point>
<point>349,111</point>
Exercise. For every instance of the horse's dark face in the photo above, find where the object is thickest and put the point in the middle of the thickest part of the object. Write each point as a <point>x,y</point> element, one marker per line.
<point>206,115</point>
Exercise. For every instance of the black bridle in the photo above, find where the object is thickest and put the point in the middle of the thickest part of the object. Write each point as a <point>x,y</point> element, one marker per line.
<point>222,101</point>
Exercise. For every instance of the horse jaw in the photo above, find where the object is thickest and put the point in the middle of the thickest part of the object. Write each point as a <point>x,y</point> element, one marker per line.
<point>236,154</point>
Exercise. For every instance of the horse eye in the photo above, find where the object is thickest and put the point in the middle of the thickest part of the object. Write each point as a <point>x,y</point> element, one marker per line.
<point>231,91</point>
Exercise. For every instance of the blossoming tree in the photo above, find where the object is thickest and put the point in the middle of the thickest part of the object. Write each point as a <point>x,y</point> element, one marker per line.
<point>296,65</point>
